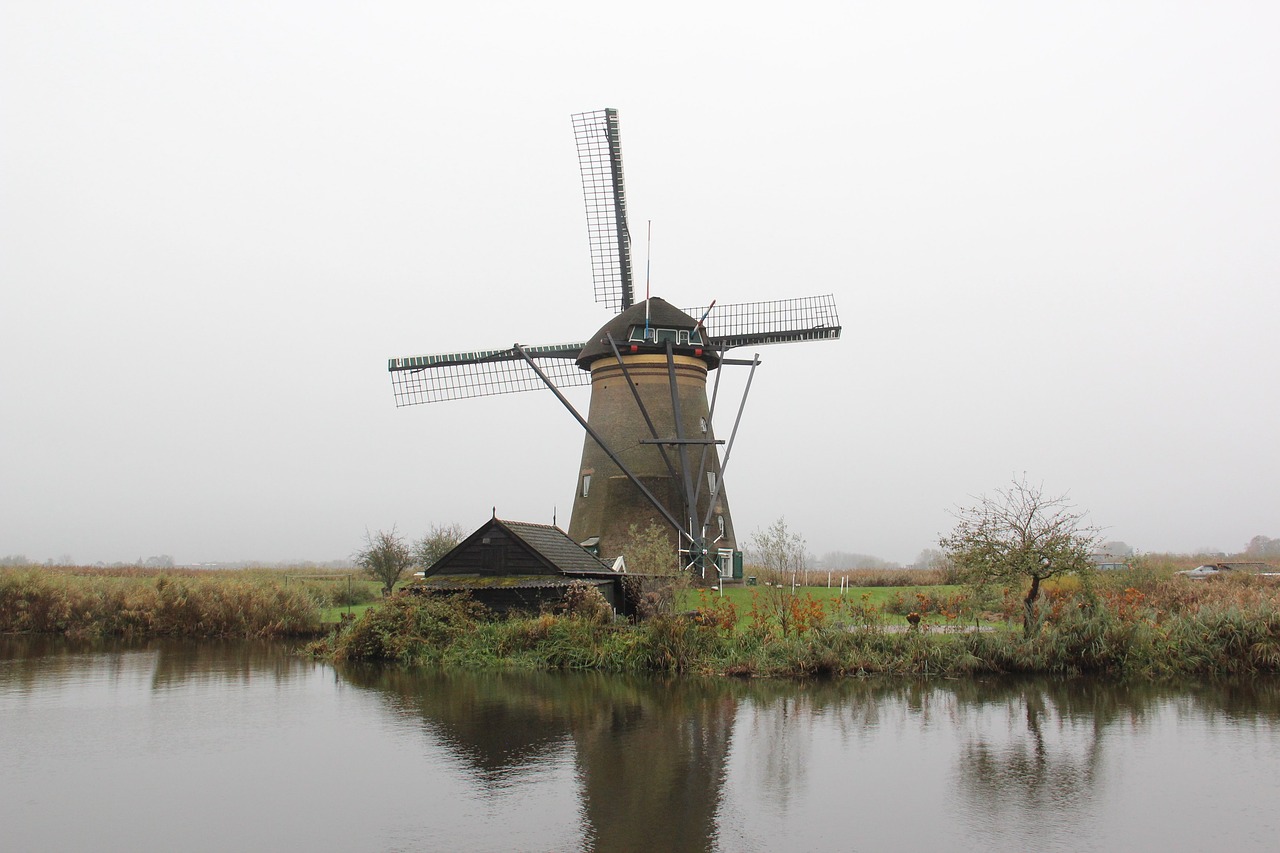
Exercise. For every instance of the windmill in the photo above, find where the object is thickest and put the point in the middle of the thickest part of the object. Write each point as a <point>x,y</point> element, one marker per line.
<point>650,452</point>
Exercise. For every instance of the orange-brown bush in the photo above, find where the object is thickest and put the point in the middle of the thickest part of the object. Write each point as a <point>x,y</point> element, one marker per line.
<point>716,611</point>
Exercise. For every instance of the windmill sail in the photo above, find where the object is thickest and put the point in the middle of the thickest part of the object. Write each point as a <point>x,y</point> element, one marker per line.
<point>600,158</point>
<point>482,373</point>
<point>809,318</point>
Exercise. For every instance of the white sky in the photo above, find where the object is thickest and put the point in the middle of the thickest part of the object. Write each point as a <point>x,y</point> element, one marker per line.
<point>1052,229</point>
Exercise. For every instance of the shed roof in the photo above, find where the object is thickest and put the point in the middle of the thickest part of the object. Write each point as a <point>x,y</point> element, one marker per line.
<point>546,544</point>
<point>554,544</point>
<point>477,583</point>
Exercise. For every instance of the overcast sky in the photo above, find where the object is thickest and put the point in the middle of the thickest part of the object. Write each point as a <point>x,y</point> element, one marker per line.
<point>1052,230</point>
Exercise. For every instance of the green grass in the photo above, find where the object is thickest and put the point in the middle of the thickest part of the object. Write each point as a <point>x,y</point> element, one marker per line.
<point>876,596</point>
<point>741,596</point>
<point>333,615</point>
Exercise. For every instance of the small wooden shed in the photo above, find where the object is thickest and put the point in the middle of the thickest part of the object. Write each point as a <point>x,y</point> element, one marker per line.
<point>517,565</point>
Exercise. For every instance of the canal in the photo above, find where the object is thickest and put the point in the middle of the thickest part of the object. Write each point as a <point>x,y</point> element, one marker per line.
<point>243,746</point>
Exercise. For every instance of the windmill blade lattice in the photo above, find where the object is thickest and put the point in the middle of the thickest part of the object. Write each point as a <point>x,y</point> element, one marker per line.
<point>600,158</point>
<point>483,373</point>
<point>808,318</point>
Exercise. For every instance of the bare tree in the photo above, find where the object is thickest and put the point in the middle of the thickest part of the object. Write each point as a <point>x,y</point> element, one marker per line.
<point>781,551</point>
<point>1019,536</point>
<point>439,540</point>
<point>782,555</point>
<point>384,558</point>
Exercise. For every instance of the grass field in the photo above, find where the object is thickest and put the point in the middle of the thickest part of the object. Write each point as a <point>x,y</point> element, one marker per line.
<point>876,595</point>
<point>742,597</point>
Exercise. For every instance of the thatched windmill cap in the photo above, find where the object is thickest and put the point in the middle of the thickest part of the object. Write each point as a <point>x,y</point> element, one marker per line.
<point>662,315</point>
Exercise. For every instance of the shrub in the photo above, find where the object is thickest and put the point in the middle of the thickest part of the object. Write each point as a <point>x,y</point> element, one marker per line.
<point>408,628</point>
<point>716,612</point>
<point>860,614</point>
<point>584,600</point>
<point>674,644</point>
<point>655,595</point>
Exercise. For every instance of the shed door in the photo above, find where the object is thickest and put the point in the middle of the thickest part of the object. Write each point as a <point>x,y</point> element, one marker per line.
<point>493,559</point>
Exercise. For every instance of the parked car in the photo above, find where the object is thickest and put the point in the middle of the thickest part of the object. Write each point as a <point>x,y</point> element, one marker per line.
<point>1204,571</point>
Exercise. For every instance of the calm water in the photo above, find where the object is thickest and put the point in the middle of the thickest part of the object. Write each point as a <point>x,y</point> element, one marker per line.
<point>174,746</point>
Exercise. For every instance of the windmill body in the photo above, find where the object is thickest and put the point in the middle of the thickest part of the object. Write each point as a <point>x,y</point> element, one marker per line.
<point>650,454</point>
<point>672,451</point>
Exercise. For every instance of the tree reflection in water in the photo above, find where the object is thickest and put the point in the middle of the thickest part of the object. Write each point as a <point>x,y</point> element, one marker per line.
<point>1052,766</point>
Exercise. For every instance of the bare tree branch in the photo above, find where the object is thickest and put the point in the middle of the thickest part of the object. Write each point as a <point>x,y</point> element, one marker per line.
<point>384,558</point>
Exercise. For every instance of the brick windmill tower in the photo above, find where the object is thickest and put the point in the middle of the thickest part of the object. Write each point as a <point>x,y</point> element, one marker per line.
<point>650,453</point>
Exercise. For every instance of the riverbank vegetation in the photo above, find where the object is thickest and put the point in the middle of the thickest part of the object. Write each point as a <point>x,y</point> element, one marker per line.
<point>141,602</point>
<point>1142,622</point>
